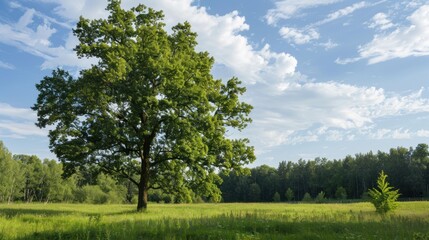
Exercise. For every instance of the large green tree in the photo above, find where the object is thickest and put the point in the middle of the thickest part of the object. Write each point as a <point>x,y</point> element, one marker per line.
<point>149,108</point>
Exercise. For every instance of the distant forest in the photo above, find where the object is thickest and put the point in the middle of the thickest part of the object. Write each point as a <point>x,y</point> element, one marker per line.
<point>26,178</point>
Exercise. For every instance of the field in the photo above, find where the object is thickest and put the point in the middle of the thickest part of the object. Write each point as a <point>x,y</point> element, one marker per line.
<point>213,221</point>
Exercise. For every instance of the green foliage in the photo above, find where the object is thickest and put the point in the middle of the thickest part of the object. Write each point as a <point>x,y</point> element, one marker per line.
<point>348,178</point>
<point>93,194</point>
<point>289,194</point>
<point>276,197</point>
<point>383,197</point>
<point>421,236</point>
<point>254,194</point>
<point>268,181</point>
<point>11,176</point>
<point>149,110</point>
<point>34,180</point>
<point>320,198</point>
<point>307,197</point>
<point>341,193</point>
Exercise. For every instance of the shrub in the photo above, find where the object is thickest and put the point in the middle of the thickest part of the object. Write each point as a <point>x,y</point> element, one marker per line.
<point>307,197</point>
<point>94,194</point>
<point>276,197</point>
<point>341,193</point>
<point>320,198</point>
<point>383,197</point>
<point>289,194</point>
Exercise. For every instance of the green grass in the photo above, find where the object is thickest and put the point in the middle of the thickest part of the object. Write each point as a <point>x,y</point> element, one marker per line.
<point>213,221</point>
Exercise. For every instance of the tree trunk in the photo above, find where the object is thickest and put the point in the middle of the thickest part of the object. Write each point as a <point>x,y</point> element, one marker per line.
<point>143,185</point>
<point>142,197</point>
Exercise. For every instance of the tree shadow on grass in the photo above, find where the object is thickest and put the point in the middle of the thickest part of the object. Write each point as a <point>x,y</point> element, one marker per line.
<point>13,212</point>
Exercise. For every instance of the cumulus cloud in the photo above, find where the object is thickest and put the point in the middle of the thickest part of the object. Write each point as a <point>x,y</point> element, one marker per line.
<point>333,110</point>
<point>298,36</point>
<point>221,35</point>
<point>285,9</point>
<point>404,41</point>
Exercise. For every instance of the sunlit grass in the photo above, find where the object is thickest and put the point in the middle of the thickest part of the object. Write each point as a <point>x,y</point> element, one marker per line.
<point>213,221</point>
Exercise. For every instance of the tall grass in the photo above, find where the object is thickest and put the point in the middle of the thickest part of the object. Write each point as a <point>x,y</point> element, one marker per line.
<point>213,221</point>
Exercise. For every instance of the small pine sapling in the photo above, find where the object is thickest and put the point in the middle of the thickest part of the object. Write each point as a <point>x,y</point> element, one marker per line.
<point>383,197</point>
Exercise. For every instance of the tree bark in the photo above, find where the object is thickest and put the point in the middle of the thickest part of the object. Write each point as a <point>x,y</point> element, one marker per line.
<point>144,183</point>
<point>142,196</point>
<point>144,173</point>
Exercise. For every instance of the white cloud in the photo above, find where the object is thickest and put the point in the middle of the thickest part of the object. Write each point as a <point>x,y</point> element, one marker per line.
<point>405,41</point>
<point>328,45</point>
<point>380,133</point>
<point>399,133</point>
<point>221,36</point>
<point>9,111</point>
<point>334,135</point>
<point>37,42</point>
<point>286,9</point>
<point>16,5</point>
<point>412,4</point>
<point>11,136</point>
<point>18,122</point>
<point>422,133</point>
<point>25,20</point>
<point>72,10</point>
<point>344,61</point>
<point>336,111</point>
<point>6,65</point>
<point>21,130</point>
<point>299,36</point>
<point>381,21</point>
<point>309,33</point>
<point>342,12</point>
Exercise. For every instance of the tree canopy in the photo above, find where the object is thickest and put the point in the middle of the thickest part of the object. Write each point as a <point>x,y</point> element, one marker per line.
<point>149,110</point>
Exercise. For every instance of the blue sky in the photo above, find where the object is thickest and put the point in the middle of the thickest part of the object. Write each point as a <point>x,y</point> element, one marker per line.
<point>326,78</point>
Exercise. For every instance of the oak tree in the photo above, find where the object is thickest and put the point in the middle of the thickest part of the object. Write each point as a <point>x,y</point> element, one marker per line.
<point>149,110</point>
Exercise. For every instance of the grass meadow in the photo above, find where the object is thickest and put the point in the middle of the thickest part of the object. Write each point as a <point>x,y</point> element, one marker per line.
<point>213,221</point>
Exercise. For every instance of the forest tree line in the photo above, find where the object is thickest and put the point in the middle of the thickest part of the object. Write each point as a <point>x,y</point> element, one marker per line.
<point>29,179</point>
<point>348,178</point>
